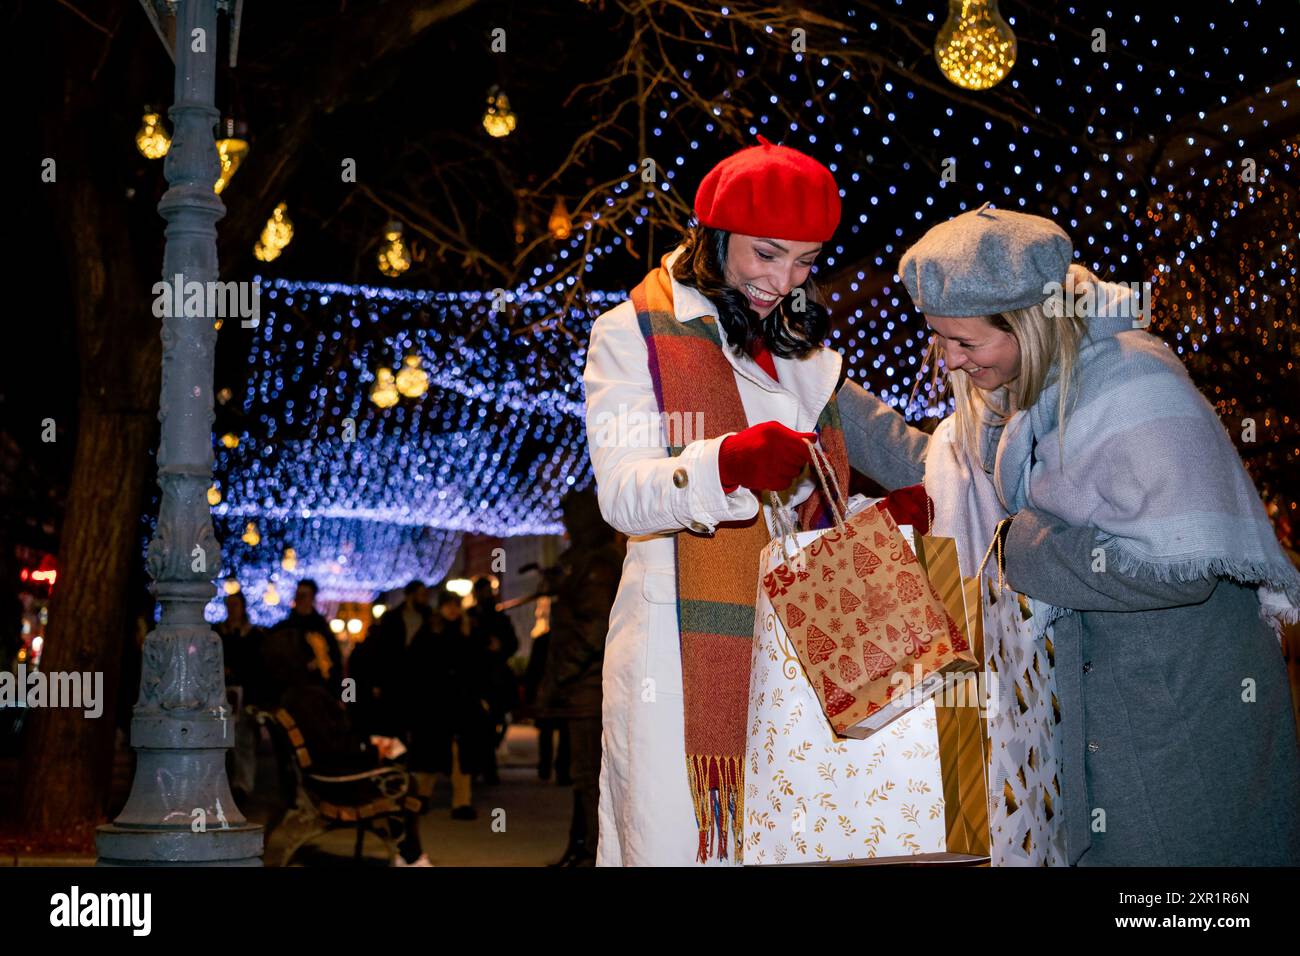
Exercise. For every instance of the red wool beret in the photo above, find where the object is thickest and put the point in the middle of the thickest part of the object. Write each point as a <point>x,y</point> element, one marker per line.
<point>770,191</point>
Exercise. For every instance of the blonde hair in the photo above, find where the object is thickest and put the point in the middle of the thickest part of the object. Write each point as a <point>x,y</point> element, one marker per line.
<point>1047,343</point>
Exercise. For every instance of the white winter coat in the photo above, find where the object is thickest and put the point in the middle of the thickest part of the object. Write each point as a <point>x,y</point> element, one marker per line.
<point>646,816</point>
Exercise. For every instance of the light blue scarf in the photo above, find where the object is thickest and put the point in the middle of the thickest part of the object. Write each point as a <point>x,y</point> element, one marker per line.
<point>1145,460</point>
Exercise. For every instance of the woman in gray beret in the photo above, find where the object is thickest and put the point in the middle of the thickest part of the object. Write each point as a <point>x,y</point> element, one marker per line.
<point>1128,520</point>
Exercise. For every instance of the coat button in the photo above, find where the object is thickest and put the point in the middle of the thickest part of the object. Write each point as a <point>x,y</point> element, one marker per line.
<point>1093,747</point>
<point>1087,666</point>
<point>699,527</point>
<point>679,477</point>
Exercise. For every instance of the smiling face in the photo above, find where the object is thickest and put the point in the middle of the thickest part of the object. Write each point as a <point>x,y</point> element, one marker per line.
<point>765,270</point>
<point>990,356</point>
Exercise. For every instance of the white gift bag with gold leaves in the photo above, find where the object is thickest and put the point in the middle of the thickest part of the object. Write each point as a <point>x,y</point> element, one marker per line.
<point>812,796</point>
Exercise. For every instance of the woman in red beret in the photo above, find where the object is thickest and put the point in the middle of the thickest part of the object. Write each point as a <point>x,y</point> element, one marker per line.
<point>701,391</point>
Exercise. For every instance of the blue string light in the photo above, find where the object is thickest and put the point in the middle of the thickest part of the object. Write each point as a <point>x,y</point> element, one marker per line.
<point>1125,220</point>
<point>371,497</point>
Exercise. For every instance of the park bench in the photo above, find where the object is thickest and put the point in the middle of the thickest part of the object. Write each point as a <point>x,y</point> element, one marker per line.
<point>372,801</point>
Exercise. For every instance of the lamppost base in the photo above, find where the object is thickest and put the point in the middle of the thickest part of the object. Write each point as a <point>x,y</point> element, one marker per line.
<point>159,846</point>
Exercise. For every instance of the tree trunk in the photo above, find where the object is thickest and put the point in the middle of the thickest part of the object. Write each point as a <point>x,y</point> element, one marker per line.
<point>67,758</point>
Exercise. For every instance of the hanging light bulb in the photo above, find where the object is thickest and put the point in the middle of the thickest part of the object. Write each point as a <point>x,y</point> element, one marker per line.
<point>230,440</point>
<point>975,47</point>
<point>394,258</point>
<point>151,139</point>
<point>214,495</point>
<point>384,394</point>
<point>251,537</point>
<point>290,560</point>
<point>231,148</point>
<point>276,234</point>
<point>270,597</point>
<point>230,586</point>
<point>499,120</point>
<point>560,225</point>
<point>412,381</point>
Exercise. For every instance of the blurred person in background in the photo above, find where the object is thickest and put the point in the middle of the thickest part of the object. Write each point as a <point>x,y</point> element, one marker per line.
<point>241,650</point>
<point>493,631</point>
<point>448,717</point>
<point>585,584</point>
<point>309,622</point>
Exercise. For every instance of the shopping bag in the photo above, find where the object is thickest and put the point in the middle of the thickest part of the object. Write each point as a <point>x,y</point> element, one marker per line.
<point>873,635</point>
<point>1025,809</point>
<point>916,791</point>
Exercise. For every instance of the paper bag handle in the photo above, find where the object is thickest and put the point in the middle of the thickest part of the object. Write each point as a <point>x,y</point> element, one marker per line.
<point>828,481</point>
<point>830,485</point>
<point>783,525</point>
<point>995,543</point>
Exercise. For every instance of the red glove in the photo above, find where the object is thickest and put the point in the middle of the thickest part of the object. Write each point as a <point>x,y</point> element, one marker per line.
<point>765,457</point>
<point>910,505</point>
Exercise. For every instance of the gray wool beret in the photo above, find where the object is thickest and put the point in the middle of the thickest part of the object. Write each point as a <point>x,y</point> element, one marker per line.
<point>984,262</point>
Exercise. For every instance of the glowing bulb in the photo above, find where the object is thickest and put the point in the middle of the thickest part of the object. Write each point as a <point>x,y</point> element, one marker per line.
<point>290,560</point>
<point>231,150</point>
<point>461,586</point>
<point>499,120</point>
<point>251,537</point>
<point>270,597</point>
<point>354,625</point>
<point>975,47</point>
<point>394,258</point>
<point>560,225</point>
<point>412,381</point>
<point>214,495</point>
<point>337,625</point>
<point>276,234</point>
<point>384,394</point>
<point>230,586</point>
<point>151,139</point>
<point>230,440</point>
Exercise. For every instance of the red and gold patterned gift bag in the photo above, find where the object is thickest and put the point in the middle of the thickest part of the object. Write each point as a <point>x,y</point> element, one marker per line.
<point>873,635</point>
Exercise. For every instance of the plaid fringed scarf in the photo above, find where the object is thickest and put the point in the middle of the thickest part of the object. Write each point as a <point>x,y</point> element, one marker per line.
<point>717,576</point>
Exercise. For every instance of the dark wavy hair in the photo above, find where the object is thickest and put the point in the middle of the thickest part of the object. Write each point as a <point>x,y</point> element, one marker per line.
<point>785,331</point>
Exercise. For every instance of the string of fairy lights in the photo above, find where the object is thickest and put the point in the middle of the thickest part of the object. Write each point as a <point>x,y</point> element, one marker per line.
<point>1147,149</point>
<point>363,480</point>
<point>1105,165</point>
<point>1115,217</point>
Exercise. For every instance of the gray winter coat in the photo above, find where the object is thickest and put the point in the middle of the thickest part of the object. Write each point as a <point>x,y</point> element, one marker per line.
<point>1178,742</point>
